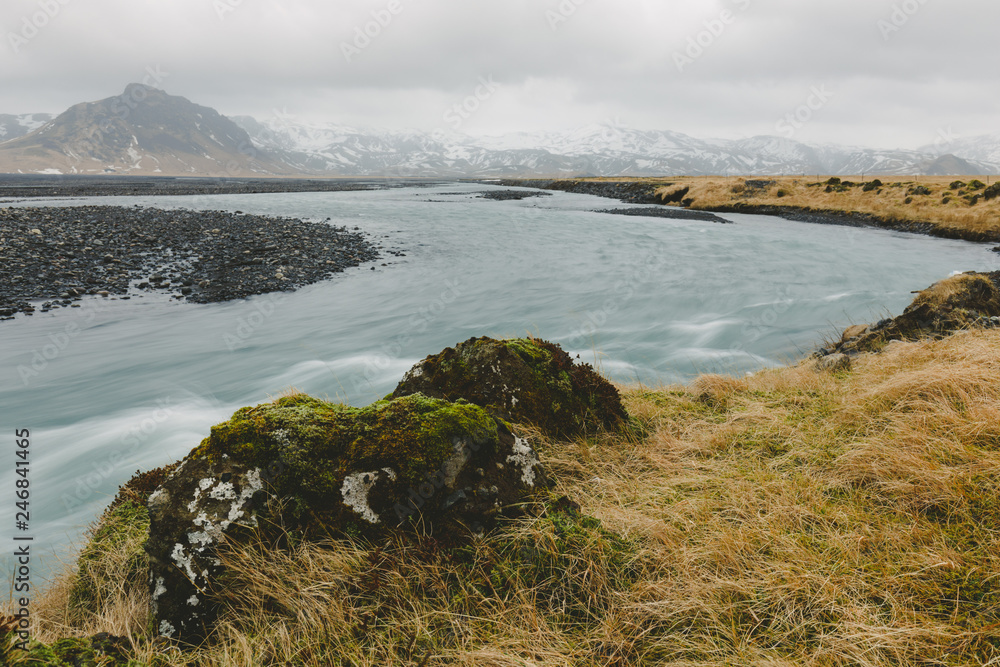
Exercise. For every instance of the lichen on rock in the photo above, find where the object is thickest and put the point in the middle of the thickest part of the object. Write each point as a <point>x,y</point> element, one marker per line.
<point>320,469</point>
<point>521,380</point>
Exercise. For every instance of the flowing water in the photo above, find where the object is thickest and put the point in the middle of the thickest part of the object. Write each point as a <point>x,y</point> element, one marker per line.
<point>120,386</point>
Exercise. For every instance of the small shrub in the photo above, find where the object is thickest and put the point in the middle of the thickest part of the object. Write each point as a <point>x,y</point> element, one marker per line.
<point>872,185</point>
<point>781,193</point>
<point>908,200</point>
<point>992,192</point>
<point>973,199</point>
<point>956,185</point>
<point>976,185</point>
<point>946,200</point>
<point>833,181</point>
<point>919,190</point>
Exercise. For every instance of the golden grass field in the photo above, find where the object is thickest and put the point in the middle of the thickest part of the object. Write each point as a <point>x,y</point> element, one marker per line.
<point>788,518</point>
<point>944,206</point>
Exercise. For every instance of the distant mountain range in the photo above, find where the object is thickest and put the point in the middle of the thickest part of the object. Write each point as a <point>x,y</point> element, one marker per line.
<point>146,131</point>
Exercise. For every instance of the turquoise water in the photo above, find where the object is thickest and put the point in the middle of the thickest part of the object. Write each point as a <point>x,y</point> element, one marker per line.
<point>139,383</point>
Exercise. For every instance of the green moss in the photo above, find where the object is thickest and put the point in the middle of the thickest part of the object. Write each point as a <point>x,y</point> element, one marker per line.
<point>113,555</point>
<point>316,440</point>
<point>522,380</point>
<point>72,652</point>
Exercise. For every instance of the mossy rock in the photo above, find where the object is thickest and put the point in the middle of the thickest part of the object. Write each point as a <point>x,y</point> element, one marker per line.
<point>527,381</point>
<point>102,650</point>
<point>957,302</point>
<point>322,470</point>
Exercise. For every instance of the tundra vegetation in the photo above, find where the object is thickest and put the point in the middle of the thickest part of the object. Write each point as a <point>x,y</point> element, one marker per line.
<point>812,515</point>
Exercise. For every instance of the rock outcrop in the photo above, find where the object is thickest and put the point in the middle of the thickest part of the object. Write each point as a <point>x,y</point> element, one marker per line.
<point>959,302</point>
<point>526,381</point>
<point>324,470</point>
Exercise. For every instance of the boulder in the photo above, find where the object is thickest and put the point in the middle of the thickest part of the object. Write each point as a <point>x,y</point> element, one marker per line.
<point>319,470</point>
<point>834,363</point>
<point>959,302</point>
<point>854,332</point>
<point>527,381</point>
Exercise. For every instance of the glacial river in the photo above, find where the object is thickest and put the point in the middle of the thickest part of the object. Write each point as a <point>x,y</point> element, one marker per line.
<point>139,382</point>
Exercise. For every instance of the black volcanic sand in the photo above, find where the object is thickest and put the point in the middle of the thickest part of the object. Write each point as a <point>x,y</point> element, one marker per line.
<point>28,186</point>
<point>512,195</point>
<point>61,254</point>
<point>672,213</point>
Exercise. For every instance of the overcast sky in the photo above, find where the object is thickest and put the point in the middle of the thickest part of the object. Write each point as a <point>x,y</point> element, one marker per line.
<point>884,73</point>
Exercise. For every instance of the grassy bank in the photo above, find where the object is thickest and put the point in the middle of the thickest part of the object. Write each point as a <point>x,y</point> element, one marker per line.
<point>792,517</point>
<point>956,207</point>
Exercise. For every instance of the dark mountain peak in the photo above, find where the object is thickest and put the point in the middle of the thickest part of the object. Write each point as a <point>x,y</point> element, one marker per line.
<point>142,130</point>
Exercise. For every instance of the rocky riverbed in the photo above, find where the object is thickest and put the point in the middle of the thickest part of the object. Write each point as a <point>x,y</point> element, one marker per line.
<point>22,186</point>
<point>663,212</point>
<point>53,257</point>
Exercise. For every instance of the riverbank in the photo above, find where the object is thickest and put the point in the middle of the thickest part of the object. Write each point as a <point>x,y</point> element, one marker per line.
<point>813,514</point>
<point>21,186</point>
<point>946,207</point>
<point>54,257</point>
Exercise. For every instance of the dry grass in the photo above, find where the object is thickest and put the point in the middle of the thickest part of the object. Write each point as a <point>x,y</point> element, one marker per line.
<point>788,518</point>
<point>888,202</point>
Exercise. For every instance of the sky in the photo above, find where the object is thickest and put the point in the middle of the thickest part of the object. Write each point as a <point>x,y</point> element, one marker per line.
<point>878,73</point>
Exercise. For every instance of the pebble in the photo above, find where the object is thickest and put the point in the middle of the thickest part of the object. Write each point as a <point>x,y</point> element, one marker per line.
<point>60,255</point>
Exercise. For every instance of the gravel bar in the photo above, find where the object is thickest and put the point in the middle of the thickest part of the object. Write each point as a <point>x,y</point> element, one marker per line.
<point>59,255</point>
<point>672,213</point>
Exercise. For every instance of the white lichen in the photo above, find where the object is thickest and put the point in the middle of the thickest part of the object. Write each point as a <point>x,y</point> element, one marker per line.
<point>524,457</point>
<point>160,588</point>
<point>182,560</point>
<point>224,491</point>
<point>355,492</point>
<point>166,630</point>
<point>193,601</point>
<point>390,473</point>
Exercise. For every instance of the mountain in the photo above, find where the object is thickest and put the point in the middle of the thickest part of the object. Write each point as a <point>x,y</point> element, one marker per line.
<point>142,131</point>
<point>983,149</point>
<point>146,131</point>
<point>12,127</point>
<point>596,150</point>
<point>950,165</point>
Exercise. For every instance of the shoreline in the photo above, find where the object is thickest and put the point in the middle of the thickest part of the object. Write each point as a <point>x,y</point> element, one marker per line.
<point>24,186</point>
<point>58,255</point>
<point>650,191</point>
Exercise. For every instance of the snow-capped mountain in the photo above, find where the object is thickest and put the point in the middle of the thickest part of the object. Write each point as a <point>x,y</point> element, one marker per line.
<point>12,127</point>
<point>984,148</point>
<point>597,150</point>
<point>146,131</point>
